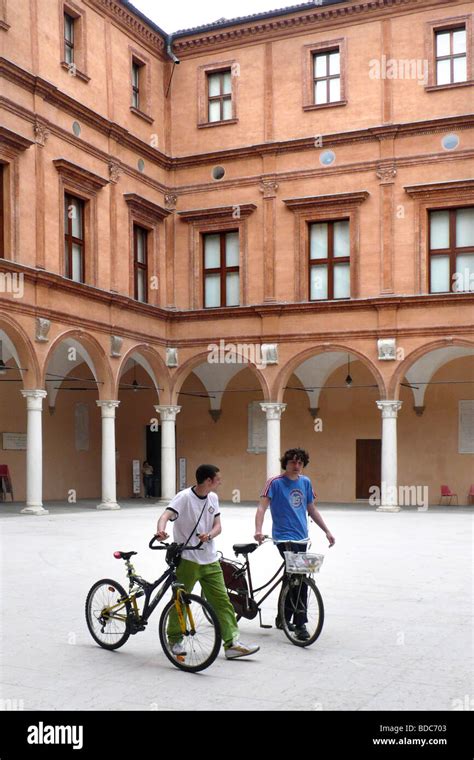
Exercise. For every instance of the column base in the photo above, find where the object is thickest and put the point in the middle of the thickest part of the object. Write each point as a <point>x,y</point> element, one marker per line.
<point>108,505</point>
<point>388,508</point>
<point>36,509</point>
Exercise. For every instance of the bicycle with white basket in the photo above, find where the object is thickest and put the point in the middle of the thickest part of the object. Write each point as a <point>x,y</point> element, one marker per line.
<point>300,605</point>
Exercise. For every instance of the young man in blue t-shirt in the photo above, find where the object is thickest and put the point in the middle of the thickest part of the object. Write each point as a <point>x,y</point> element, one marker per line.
<point>290,497</point>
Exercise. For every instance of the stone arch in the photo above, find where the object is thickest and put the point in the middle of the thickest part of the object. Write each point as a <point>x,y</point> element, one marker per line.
<point>417,353</point>
<point>101,368</point>
<point>288,369</point>
<point>25,352</point>
<point>192,363</point>
<point>153,362</point>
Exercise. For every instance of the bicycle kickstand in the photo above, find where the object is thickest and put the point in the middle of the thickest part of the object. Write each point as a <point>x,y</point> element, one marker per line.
<point>262,625</point>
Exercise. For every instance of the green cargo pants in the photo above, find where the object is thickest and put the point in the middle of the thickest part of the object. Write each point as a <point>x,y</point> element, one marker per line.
<point>212,583</point>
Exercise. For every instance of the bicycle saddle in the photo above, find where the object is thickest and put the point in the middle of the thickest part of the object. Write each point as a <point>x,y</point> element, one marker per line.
<point>244,548</point>
<point>123,555</point>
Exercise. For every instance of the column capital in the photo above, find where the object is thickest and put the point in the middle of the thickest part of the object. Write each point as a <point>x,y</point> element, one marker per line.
<point>168,413</point>
<point>34,398</point>
<point>108,407</point>
<point>389,409</point>
<point>272,409</point>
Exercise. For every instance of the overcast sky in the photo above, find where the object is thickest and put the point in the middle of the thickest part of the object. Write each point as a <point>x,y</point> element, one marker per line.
<point>183,14</point>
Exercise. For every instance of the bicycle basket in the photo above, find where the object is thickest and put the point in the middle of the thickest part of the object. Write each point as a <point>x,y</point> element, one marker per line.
<point>302,562</point>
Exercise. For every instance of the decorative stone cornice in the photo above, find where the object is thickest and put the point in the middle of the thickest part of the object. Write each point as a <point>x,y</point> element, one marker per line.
<point>79,176</point>
<point>249,30</point>
<point>147,33</point>
<point>15,142</point>
<point>457,187</point>
<point>220,212</point>
<point>145,208</point>
<point>333,200</point>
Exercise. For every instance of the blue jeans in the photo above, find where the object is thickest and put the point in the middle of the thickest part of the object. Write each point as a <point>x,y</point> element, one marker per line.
<point>297,599</point>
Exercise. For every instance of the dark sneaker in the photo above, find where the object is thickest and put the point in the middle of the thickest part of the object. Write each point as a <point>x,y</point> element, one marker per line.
<point>301,633</point>
<point>278,625</point>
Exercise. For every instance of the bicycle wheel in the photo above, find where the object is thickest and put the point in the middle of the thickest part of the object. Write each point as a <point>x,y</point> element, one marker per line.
<point>109,629</point>
<point>300,610</point>
<point>201,639</point>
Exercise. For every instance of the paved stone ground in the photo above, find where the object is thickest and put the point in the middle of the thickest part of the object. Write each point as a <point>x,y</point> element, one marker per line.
<point>397,635</point>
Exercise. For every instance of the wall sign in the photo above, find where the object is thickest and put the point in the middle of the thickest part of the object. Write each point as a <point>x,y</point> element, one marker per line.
<point>14,441</point>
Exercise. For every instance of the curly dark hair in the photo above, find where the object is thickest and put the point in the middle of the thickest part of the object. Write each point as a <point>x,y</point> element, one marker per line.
<point>300,454</point>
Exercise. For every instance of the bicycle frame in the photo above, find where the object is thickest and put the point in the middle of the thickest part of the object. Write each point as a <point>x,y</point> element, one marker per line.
<point>252,591</point>
<point>168,579</point>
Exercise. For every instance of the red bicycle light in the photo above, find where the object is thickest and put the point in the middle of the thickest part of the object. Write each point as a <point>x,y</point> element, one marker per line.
<point>117,555</point>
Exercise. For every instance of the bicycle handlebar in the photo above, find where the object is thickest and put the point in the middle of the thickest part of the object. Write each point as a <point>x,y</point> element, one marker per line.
<point>181,547</point>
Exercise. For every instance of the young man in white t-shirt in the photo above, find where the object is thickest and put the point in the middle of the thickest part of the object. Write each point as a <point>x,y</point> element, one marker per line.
<point>195,513</point>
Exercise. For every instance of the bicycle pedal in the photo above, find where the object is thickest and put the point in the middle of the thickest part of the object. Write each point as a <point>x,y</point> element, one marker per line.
<point>181,657</point>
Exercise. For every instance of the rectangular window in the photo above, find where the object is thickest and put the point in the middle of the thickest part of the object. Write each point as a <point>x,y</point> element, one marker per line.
<point>136,76</point>
<point>451,250</point>
<point>221,269</point>
<point>140,263</point>
<point>327,77</point>
<point>219,92</point>
<point>451,56</point>
<point>74,238</point>
<point>329,260</point>
<point>68,38</point>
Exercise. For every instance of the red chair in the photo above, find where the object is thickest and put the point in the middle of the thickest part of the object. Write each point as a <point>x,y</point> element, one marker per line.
<point>447,493</point>
<point>5,482</point>
<point>471,494</point>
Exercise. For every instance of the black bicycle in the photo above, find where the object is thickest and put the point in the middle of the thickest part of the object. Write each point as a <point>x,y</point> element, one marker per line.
<point>300,605</point>
<point>189,629</point>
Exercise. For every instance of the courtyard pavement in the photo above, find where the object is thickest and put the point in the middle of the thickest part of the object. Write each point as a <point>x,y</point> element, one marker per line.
<point>397,590</point>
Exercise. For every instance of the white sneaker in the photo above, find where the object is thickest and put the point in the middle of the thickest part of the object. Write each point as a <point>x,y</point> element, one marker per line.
<point>240,650</point>
<point>178,649</point>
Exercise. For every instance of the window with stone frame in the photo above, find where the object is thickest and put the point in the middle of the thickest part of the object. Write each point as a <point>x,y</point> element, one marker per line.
<point>329,260</point>
<point>451,250</point>
<point>74,242</point>
<point>73,40</point>
<point>140,263</point>
<point>325,74</point>
<point>449,44</point>
<point>221,271</point>
<point>136,77</point>
<point>68,38</point>
<point>451,55</point>
<point>219,93</point>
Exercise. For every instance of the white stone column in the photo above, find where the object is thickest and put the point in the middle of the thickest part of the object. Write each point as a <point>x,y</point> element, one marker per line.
<point>168,451</point>
<point>109,474</point>
<point>34,453</point>
<point>273,412</point>
<point>389,485</point>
